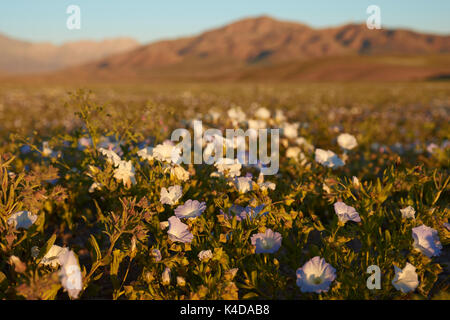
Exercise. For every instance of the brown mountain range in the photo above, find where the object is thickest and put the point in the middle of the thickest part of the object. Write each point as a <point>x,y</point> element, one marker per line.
<point>18,57</point>
<point>267,49</point>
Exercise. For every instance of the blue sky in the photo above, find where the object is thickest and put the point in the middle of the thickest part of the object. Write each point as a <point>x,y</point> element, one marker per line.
<point>146,21</point>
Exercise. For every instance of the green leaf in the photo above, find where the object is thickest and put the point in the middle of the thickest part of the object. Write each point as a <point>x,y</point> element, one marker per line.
<point>288,202</point>
<point>254,276</point>
<point>106,260</point>
<point>46,247</point>
<point>249,295</point>
<point>94,244</point>
<point>319,226</point>
<point>3,279</point>
<point>97,276</point>
<point>387,236</point>
<point>117,259</point>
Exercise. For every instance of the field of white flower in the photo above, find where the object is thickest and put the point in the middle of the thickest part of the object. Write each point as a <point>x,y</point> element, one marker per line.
<point>94,206</point>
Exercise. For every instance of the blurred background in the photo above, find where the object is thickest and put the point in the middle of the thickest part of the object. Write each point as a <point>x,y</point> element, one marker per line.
<point>282,41</point>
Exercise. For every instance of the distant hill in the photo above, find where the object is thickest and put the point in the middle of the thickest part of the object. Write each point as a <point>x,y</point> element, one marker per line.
<point>264,48</point>
<point>25,57</point>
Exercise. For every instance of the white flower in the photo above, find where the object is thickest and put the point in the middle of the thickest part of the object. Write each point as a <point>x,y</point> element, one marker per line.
<point>22,219</point>
<point>305,144</point>
<point>267,242</point>
<point>408,212</point>
<point>171,196</point>
<point>84,142</point>
<point>426,240</point>
<point>346,213</point>
<point>167,152</point>
<point>243,184</point>
<point>46,150</point>
<point>111,156</point>
<point>53,256</point>
<point>166,276</point>
<point>279,116</point>
<point>35,251</point>
<point>290,130</point>
<point>178,231</point>
<point>205,255</point>
<point>181,282</point>
<point>296,154</point>
<point>328,158</point>
<point>215,174</point>
<point>125,173</point>
<point>229,167</point>
<point>164,224</point>
<point>347,141</point>
<point>316,275</point>
<point>265,185</point>
<point>190,209</point>
<point>262,113</point>
<point>180,173</point>
<point>432,147</point>
<point>12,175</point>
<point>406,279</point>
<point>70,274</point>
<point>257,124</point>
<point>95,186</point>
<point>236,114</point>
<point>293,152</point>
<point>355,182</point>
<point>214,115</point>
<point>156,254</point>
<point>19,266</point>
<point>146,153</point>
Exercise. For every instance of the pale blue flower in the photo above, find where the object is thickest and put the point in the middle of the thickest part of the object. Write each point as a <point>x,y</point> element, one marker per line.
<point>22,219</point>
<point>243,184</point>
<point>178,231</point>
<point>205,255</point>
<point>346,213</point>
<point>172,195</point>
<point>408,212</point>
<point>347,141</point>
<point>328,158</point>
<point>156,254</point>
<point>316,275</point>
<point>406,279</point>
<point>70,274</point>
<point>426,240</point>
<point>190,209</point>
<point>267,242</point>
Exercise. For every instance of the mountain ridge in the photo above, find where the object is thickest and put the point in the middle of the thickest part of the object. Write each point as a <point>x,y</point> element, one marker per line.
<point>19,56</point>
<point>261,47</point>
